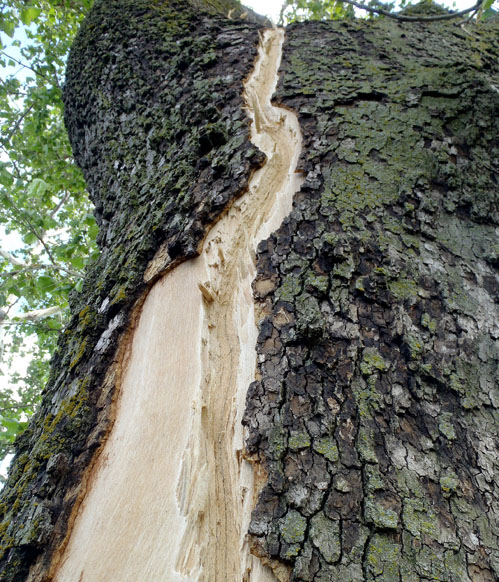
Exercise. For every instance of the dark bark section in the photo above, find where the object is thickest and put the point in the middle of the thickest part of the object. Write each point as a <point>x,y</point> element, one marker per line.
<point>376,415</point>
<point>155,114</point>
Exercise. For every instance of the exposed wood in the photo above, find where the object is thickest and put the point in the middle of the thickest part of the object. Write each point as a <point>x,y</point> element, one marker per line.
<point>171,494</point>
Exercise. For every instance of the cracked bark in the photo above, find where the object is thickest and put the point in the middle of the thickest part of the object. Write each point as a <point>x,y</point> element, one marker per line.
<point>373,417</point>
<point>376,412</point>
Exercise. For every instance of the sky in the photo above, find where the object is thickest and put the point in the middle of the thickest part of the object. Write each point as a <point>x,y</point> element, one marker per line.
<point>270,8</point>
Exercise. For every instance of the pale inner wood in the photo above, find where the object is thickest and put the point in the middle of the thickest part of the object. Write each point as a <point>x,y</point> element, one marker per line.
<point>171,495</point>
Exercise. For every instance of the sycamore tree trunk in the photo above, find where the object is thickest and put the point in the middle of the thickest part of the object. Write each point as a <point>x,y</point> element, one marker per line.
<point>284,364</point>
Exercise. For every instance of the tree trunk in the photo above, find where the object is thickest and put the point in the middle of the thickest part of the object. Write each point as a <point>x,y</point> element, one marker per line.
<point>336,294</point>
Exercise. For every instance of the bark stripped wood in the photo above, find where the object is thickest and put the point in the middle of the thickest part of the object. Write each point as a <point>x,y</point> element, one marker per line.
<point>171,494</point>
<point>154,109</point>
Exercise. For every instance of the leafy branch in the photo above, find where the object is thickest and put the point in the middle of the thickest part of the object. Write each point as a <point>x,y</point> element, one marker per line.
<point>293,10</point>
<point>410,18</point>
<point>42,200</point>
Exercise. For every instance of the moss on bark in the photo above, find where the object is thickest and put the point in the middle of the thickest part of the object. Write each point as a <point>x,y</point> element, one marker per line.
<point>155,115</point>
<point>387,360</point>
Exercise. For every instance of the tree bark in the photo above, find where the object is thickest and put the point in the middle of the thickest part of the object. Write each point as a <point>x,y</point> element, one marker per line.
<point>376,412</point>
<point>371,423</point>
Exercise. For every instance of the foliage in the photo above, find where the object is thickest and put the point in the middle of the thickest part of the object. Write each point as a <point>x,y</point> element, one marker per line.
<point>299,10</point>
<point>42,197</point>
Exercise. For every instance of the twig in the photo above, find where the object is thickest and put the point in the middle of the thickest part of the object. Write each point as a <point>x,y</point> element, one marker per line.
<point>30,226</point>
<point>39,267</point>
<point>25,66</point>
<point>18,123</point>
<point>59,205</point>
<point>470,17</point>
<point>404,18</point>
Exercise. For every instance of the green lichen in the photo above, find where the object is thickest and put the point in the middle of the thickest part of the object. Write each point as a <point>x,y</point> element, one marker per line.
<point>298,440</point>
<point>449,483</point>
<point>318,282</point>
<point>79,353</point>
<point>293,527</point>
<point>428,322</point>
<point>382,557</point>
<point>403,288</point>
<point>325,535</point>
<point>278,441</point>
<point>419,518</point>
<point>372,361</point>
<point>415,345</point>
<point>290,288</point>
<point>379,515</point>
<point>446,427</point>
<point>327,446</point>
<point>365,444</point>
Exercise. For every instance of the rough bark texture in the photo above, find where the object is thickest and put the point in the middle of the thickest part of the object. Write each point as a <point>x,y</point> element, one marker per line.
<point>376,412</point>
<point>375,409</point>
<point>155,114</point>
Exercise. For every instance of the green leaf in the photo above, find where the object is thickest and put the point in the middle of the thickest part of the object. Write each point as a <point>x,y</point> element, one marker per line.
<point>45,284</point>
<point>54,324</point>
<point>30,238</point>
<point>37,187</point>
<point>77,261</point>
<point>12,427</point>
<point>7,26</point>
<point>93,231</point>
<point>29,14</point>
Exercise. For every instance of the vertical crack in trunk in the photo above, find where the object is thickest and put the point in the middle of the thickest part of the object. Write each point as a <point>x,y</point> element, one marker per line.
<point>216,490</point>
<point>171,494</point>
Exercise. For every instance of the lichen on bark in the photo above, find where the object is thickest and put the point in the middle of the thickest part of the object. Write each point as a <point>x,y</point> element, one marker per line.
<point>375,414</point>
<point>375,409</point>
<point>155,114</point>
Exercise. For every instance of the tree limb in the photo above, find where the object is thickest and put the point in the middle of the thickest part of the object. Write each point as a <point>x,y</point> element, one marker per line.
<point>404,18</point>
<point>38,314</point>
<point>11,259</point>
<point>25,65</point>
<point>59,205</point>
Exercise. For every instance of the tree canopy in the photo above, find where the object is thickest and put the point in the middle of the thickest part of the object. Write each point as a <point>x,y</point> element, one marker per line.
<point>46,221</point>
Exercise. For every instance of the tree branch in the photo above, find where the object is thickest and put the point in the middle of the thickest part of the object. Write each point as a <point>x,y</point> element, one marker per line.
<point>404,18</point>
<point>59,205</point>
<point>18,123</point>
<point>38,314</point>
<point>16,407</point>
<point>11,259</point>
<point>34,231</point>
<point>25,66</point>
<point>38,267</point>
